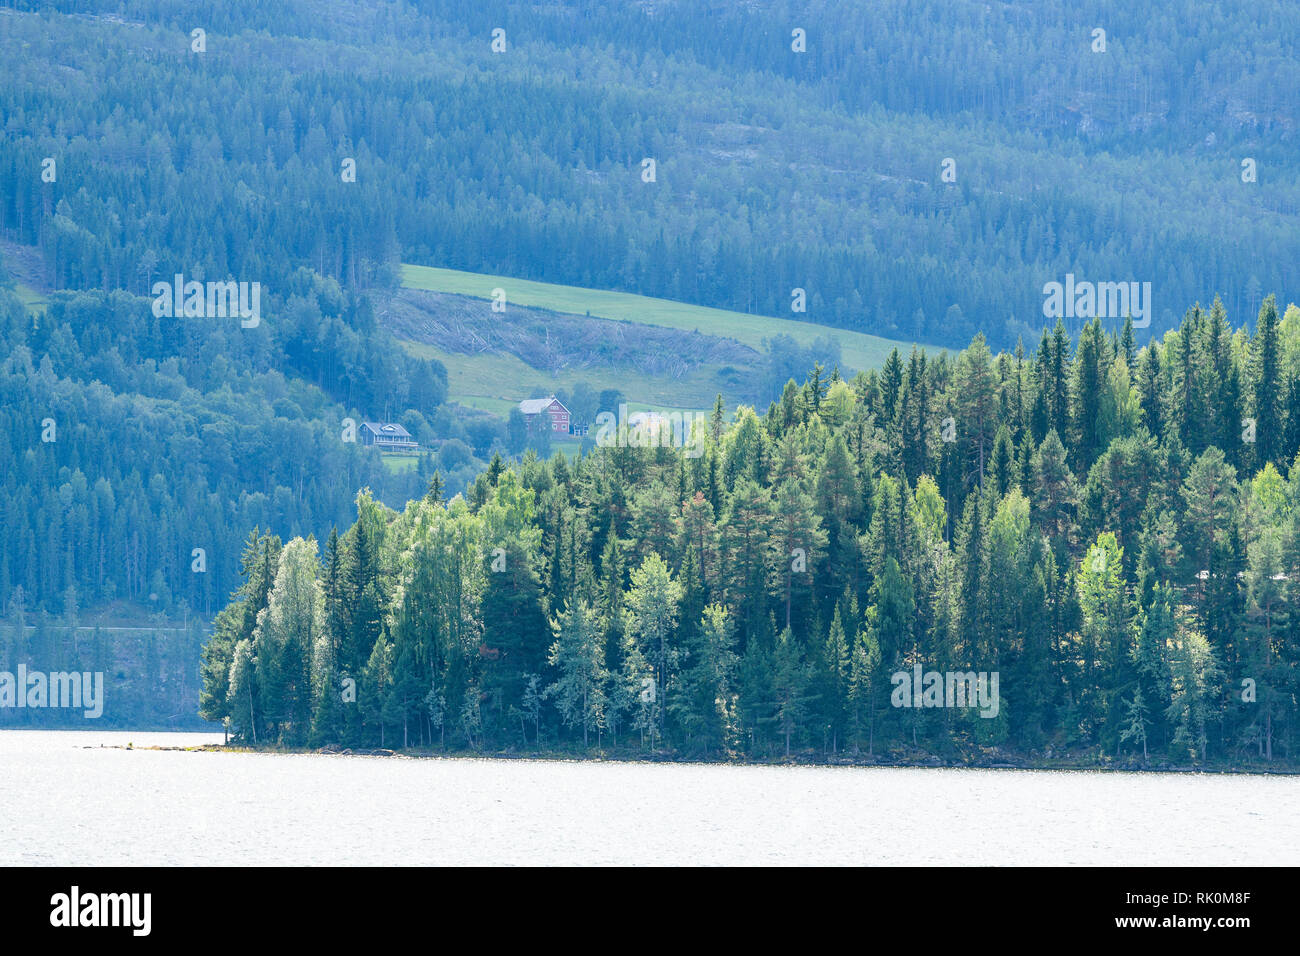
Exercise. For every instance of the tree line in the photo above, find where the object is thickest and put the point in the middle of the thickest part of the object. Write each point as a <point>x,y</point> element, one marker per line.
<point>1113,530</point>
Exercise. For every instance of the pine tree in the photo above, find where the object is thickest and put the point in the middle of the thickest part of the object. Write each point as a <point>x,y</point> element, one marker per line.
<point>717,419</point>
<point>1054,490</point>
<point>1089,376</point>
<point>863,679</point>
<point>1127,348</point>
<point>1149,381</point>
<point>1209,495</point>
<point>1135,727</point>
<point>376,686</point>
<point>435,493</point>
<point>578,656</point>
<point>756,688</point>
<point>891,384</point>
<point>892,613</point>
<point>1057,380</point>
<point>706,705</point>
<point>363,586</point>
<point>1266,380</point>
<point>327,720</point>
<point>832,681</point>
<point>790,679</point>
<point>652,605</point>
<point>798,542</point>
<point>1002,466</point>
<point>745,537</point>
<point>974,398</point>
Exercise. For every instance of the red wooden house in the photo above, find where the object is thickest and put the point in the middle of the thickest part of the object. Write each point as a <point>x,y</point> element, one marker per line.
<point>552,407</point>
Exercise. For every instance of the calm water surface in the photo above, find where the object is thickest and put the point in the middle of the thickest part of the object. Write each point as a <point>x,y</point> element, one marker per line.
<point>67,798</point>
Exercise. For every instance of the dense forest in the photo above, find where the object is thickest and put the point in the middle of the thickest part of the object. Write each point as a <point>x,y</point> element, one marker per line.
<point>127,442</point>
<point>1112,530</point>
<point>775,169</point>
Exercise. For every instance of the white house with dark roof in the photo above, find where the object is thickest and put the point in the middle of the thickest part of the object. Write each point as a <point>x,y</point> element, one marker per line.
<point>387,436</point>
<point>552,407</point>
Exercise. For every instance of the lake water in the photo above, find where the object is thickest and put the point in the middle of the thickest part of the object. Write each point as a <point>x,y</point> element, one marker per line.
<point>68,798</point>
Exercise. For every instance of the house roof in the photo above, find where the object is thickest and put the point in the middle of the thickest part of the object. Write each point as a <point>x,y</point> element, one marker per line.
<point>387,428</point>
<point>534,406</point>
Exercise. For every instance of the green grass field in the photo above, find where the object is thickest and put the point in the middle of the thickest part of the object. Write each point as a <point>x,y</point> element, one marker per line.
<point>397,462</point>
<point>495,382</point>
<point>858,350</point>
<point>32,300</point>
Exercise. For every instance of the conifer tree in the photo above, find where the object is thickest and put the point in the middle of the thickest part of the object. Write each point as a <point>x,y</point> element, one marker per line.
<point>652,605</point>
<point>790,679</point>
<point>706,706</point>
<point>1266,380</point>
<point>578,657</point>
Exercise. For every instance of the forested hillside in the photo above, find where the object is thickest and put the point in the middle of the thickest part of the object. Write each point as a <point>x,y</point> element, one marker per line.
<point>128,442</point>
<point>774,169</point>
<point>1113,531</point>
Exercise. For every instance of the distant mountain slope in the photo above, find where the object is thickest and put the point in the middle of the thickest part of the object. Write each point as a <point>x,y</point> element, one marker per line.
<point>920,169</point>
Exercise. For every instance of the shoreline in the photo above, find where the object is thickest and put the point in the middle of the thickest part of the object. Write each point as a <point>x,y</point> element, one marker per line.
<point>559,756</point>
